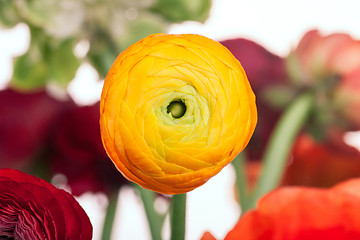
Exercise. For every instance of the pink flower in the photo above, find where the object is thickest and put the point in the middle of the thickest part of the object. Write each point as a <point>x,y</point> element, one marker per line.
<point>329,65</point>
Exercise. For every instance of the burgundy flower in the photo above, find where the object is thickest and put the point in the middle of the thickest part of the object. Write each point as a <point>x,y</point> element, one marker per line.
<point>78,153</point>
<point>31,208</point>
<point>262,67</point>
<point>25,119</point>
<point>265,71</point>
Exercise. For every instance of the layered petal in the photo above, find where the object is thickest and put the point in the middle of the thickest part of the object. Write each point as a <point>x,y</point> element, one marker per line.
<point>34,209</point>
<point>266,72</point>
<point>141,130</point>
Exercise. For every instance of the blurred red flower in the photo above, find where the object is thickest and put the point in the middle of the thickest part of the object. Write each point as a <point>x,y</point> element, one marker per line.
<point>31,208</point>
<point>265,71</point>
<point>25,120</point>
<point>321,164</point>
<point>315,163</point>
<point>330,65</point>
<point>348,97</point>
<point>298,213</point>
<point>78,153</point>
<point>320,55</point>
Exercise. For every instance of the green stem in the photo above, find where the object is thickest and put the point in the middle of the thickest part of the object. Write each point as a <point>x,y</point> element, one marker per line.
<point>110,216</point>
<point>177,216</point>
<point>241,182</point>
<point>154,219</point>
<point>280,144</point>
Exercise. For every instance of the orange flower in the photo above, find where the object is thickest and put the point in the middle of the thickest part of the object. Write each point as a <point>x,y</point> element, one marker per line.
<point>302,213</point>
<point>175,110</point>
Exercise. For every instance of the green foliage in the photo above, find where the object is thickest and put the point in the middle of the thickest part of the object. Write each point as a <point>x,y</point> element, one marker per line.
<point>47,60</point>
<point>29,72</point>
<point>63,63</point>
<point>109,27</point>
<point>141,27</point>
<point>182,10</point>
<point>8,13</point>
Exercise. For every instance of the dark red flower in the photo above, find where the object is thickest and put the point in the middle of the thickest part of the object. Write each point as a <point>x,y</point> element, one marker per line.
<point>25,119</point>
<point>298,213</point>
<point>78,153</point>
<point>265,72</point>
<point>321,164</point>
<point>31,208</point>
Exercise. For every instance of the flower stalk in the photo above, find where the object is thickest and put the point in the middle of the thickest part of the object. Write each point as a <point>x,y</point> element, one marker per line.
<point>155,220</point>
<point>241,182</point>
<point>178,216</point>
<point>110,216</point>
<point>280,144</point>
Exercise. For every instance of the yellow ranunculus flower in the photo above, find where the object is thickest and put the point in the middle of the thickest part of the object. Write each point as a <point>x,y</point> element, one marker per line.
<point>175,110</point>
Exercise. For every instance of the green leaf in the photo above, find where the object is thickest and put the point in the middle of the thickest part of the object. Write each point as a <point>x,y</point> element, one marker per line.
<point>278,95</point>
<point>294,69</point>
<point>102,59</point>
<point>39,12</point>
<point>183,10</point>
<point>103,50</point>
<point>141,27</point>
<point>63,63</point>
<point>8,13</point>
<point>30,72</point>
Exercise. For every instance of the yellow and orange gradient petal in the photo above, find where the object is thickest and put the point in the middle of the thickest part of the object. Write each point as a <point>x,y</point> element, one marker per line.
<point>175,110</point>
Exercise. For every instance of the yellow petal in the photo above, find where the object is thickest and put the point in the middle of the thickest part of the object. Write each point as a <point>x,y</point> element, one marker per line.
<point>175,154</point>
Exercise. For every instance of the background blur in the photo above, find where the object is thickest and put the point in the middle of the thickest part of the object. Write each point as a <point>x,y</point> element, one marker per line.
<point>65,48</point>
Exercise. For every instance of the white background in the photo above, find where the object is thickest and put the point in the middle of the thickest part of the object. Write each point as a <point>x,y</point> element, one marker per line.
<point>277,25</point>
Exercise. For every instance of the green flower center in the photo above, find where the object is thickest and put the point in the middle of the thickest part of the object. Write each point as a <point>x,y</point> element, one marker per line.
<point>176,108</point>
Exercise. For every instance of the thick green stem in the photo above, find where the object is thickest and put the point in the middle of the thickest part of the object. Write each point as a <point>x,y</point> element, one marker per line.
<point>177,217</point>
<point>154,219</point>
<point>110,216</point>
<point>280,145</point>
<point>241,182</point>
